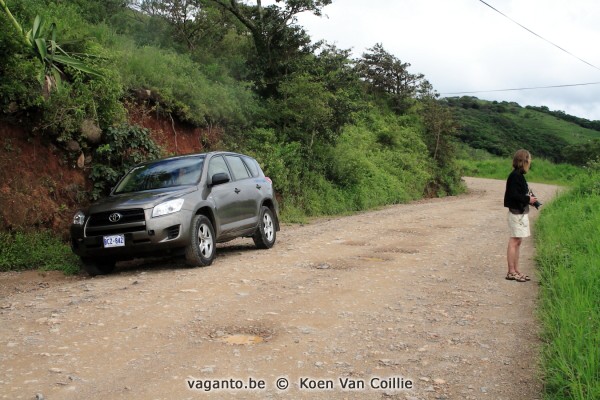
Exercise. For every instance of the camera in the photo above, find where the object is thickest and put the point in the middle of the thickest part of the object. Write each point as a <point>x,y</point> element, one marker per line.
<point>537,203</point>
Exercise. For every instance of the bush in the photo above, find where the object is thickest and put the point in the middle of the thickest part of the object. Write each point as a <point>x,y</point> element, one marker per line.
<point>36,250</point>
<point>375,173</point>
<point>123,147</point>
<point>19,86</point>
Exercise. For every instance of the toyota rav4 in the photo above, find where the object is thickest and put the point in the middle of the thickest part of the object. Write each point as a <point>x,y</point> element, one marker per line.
<point>180,205</point>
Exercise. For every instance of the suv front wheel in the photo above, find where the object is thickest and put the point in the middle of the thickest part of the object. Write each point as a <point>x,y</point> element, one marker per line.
<point>201,250</point>
<point>265,235</point>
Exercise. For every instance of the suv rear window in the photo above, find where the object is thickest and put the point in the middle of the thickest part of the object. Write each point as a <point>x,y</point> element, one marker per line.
<point>238,168</point>
<point>252,166</point>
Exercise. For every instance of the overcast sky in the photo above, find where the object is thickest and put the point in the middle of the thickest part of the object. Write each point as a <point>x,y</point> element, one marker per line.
<point>464,45</point>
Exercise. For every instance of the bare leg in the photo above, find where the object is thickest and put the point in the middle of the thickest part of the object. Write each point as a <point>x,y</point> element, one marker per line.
<point>512,254</point>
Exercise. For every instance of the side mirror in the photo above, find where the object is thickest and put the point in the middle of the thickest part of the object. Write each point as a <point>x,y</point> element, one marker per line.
<point>219,178</point>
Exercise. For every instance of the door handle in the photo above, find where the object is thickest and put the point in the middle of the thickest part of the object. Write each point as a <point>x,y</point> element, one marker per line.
<point>237,190</point>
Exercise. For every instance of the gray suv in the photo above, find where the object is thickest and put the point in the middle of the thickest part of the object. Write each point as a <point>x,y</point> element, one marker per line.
<point>180,205</point>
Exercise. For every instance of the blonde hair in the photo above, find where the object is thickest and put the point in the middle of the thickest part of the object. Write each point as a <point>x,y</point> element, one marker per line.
<point>522,161</point>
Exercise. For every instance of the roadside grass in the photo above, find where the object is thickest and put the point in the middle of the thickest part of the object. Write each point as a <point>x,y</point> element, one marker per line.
<point>568,258</point>
<point>542,171</point>
<point>36,250</point>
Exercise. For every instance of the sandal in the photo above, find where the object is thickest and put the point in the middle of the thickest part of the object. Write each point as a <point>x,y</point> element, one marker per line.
<point>526,277</point>
<point>513,276</point>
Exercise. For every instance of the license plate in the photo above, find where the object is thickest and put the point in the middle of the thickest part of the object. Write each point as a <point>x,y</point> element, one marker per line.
<point>114,241</point>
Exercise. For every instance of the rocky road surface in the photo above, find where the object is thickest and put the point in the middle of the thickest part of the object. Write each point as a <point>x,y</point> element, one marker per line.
<point>407,302</point>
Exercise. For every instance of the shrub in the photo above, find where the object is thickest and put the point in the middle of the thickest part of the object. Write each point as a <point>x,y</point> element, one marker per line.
<point>36,250</point>
<point>123,147</point>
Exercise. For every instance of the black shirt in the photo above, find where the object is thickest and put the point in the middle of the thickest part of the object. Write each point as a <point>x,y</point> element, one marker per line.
<point>516,196</point>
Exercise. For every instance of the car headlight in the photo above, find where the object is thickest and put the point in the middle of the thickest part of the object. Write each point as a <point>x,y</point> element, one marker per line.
<point>79,218</point>
<point>168,207</point>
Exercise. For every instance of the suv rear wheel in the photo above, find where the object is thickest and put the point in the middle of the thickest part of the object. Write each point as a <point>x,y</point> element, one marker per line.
<point>265,235</point>
<point>201,250</point>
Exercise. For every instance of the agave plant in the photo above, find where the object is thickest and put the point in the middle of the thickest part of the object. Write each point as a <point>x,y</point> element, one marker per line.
<point>45,48</point>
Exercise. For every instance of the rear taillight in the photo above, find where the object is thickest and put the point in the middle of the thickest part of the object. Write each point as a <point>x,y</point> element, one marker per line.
<point>269,179</point>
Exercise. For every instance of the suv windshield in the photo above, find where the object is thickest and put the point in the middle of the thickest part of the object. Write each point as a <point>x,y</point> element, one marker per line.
<point>162,174</point>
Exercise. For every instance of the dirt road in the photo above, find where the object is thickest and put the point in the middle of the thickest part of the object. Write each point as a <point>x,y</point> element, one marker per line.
<point>407,302</point>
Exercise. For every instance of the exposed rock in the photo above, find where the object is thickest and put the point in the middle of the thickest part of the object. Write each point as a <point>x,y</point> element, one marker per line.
<point>73,146</point>
<point>81,161</point>
<point>91,131</point>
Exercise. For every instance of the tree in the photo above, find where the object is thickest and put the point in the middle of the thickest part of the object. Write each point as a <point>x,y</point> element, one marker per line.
<point>386,75</point>
<point>439,130</point>
<point>335,69</point>
<point>277,40</point>
<point>191,22</point>
<point>582,153</point>
<point>99,11</point>
<point>304,112</point>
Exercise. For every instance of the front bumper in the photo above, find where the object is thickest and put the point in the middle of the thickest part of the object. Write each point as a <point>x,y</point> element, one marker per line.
<point>142,238</point>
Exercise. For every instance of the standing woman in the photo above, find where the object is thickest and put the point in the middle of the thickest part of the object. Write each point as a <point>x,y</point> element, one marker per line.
<point>517,199</point>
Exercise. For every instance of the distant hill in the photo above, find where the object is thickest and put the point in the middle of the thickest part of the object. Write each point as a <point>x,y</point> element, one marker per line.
<point>502,127</point>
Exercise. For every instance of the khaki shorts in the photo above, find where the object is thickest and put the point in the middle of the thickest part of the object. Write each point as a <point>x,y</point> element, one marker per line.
<point>518,225</point>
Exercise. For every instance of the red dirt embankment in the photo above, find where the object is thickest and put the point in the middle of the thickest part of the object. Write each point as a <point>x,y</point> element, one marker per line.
<point>41,185</point>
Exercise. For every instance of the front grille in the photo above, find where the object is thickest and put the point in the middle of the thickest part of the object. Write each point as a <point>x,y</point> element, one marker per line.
<point>100,224</point>
<point>127,216</point>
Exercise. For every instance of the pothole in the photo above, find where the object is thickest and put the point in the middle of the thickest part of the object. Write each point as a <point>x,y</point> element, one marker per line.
<point>324,266</point>
<point>404,232</point>
<point>240,339</point>
<point>444,227</point>
<point>242,336</point>
<point>377,259</point>
<point>398,250</point>
<point>355,243</point>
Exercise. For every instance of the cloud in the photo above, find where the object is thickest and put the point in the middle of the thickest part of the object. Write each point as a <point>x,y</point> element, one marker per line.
<point>463,45</point>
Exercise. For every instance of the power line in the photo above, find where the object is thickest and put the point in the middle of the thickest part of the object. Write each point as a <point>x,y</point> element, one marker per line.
<point>530,31</point>
<point>524,88</point>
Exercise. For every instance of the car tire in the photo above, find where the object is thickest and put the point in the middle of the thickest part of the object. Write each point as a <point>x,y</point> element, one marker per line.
<point>100,266</point>
<point>265,235</point>
<point>202,248</point>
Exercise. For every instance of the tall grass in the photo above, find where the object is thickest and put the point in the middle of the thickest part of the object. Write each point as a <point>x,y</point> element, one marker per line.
<point>568,257</point>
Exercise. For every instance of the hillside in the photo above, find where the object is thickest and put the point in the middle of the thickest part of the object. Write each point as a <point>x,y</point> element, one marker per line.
<point>335,134</point>
<point>502,127</point>
<point>332,135</point>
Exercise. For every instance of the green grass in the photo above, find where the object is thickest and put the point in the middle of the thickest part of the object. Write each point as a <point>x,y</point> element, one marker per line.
<point>542,171</point>
<point>568,257</point>
<point>36,250</point>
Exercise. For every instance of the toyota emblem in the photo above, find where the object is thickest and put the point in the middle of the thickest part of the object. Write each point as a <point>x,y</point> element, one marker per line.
<point>114,217</point>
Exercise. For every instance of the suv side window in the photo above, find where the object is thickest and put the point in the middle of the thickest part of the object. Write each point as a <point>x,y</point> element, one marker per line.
<point>252,166</point>
<point>216,165</point>
<point>239,169</point>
